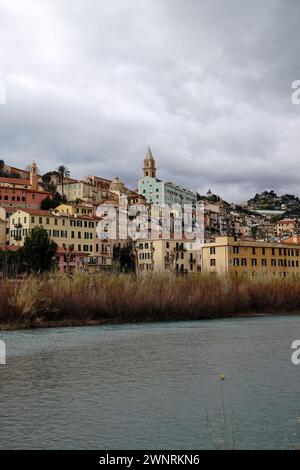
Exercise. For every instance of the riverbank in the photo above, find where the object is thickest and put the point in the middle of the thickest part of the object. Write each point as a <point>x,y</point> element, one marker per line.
<point>45,301</point>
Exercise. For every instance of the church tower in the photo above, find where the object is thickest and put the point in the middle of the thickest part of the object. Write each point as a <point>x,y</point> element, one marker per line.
<point>33,176</point>
<point>149,165</point>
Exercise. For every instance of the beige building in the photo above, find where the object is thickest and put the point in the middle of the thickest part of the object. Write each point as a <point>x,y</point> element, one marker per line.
<point>82,190</point>
<point>286,227</point>
<point>230,256</point>
<point>168,256</point>
<point>5,214</point>
<point>2,231</point>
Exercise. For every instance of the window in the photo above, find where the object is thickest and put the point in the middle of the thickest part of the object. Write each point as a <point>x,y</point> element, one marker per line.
<point>212,251</point>
<point>264,262</point>
<point>254,261</point>
<point>213,262</point>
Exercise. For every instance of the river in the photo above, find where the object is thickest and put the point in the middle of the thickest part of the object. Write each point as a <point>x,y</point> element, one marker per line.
<point>151,386</point>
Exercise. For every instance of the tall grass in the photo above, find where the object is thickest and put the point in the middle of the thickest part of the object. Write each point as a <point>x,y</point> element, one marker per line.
<point>123,298</point>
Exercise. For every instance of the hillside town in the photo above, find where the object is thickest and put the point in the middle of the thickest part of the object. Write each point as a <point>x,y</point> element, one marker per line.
<point>257,237</point>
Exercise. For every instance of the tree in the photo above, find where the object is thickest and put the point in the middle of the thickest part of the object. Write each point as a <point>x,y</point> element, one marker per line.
<point>48,182</point>
<point>38,251</point>
<point>48,204</point>
<point>125,258</point>
<point>62,172</point>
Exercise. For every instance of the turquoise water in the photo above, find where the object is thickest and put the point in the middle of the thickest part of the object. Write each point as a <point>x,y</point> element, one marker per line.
<point>150,385</point>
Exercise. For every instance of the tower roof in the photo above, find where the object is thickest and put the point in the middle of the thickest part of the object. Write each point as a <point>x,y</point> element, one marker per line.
<point>149,155</point>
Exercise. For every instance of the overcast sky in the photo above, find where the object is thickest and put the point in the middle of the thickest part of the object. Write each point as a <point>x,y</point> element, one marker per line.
<point>207,83</point>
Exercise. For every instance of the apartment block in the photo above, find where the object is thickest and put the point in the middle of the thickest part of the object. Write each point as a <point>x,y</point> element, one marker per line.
<point>76,231</point>
<point>229,256</point>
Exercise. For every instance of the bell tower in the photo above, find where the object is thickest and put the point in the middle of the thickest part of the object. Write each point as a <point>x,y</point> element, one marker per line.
<point>149,165</point>
<point>33,176</point>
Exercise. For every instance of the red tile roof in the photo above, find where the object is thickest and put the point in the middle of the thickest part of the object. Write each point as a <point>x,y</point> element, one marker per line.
<point>15,181</point>
<point>35,211</point>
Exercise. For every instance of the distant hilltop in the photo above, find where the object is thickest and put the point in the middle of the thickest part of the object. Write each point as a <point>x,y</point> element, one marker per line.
<point>270,201</point>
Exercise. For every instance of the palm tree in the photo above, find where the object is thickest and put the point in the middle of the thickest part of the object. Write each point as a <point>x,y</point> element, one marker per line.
<point>62,172</point>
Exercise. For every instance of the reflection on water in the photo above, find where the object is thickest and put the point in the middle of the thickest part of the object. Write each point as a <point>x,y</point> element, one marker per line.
<point>150,386</point>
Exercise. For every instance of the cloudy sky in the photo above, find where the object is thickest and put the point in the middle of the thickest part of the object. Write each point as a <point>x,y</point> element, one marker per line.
<point>206,83</point>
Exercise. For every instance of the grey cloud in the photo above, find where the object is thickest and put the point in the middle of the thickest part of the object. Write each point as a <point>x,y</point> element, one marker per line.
<point>207,84</point>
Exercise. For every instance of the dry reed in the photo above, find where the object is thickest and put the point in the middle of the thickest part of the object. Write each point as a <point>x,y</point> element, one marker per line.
<point>40,300</point>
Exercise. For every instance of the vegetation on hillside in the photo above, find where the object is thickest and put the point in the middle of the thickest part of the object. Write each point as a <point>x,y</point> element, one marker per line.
<point>269,200</point>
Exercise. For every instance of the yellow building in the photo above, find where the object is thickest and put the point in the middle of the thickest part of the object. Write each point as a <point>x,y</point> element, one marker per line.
<point>76,209</point>
<point>230,256</point>
<point>67,230</point>
<point>168,256</point>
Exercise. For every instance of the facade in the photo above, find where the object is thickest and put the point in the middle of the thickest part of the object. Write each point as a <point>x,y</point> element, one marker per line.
<point>286,227</point>
<point>21,197</point>
<point>76,233</point>
<point>101,183</point>
<point>23,193</point>
<point>76,209</point>
<point>168,256</point>
<point>82,190</point>
<point>228,256</point>
<point>5,214</point>
<point>160,192</point>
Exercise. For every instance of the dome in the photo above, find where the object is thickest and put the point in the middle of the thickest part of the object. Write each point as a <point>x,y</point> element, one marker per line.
<point>117,185</point>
